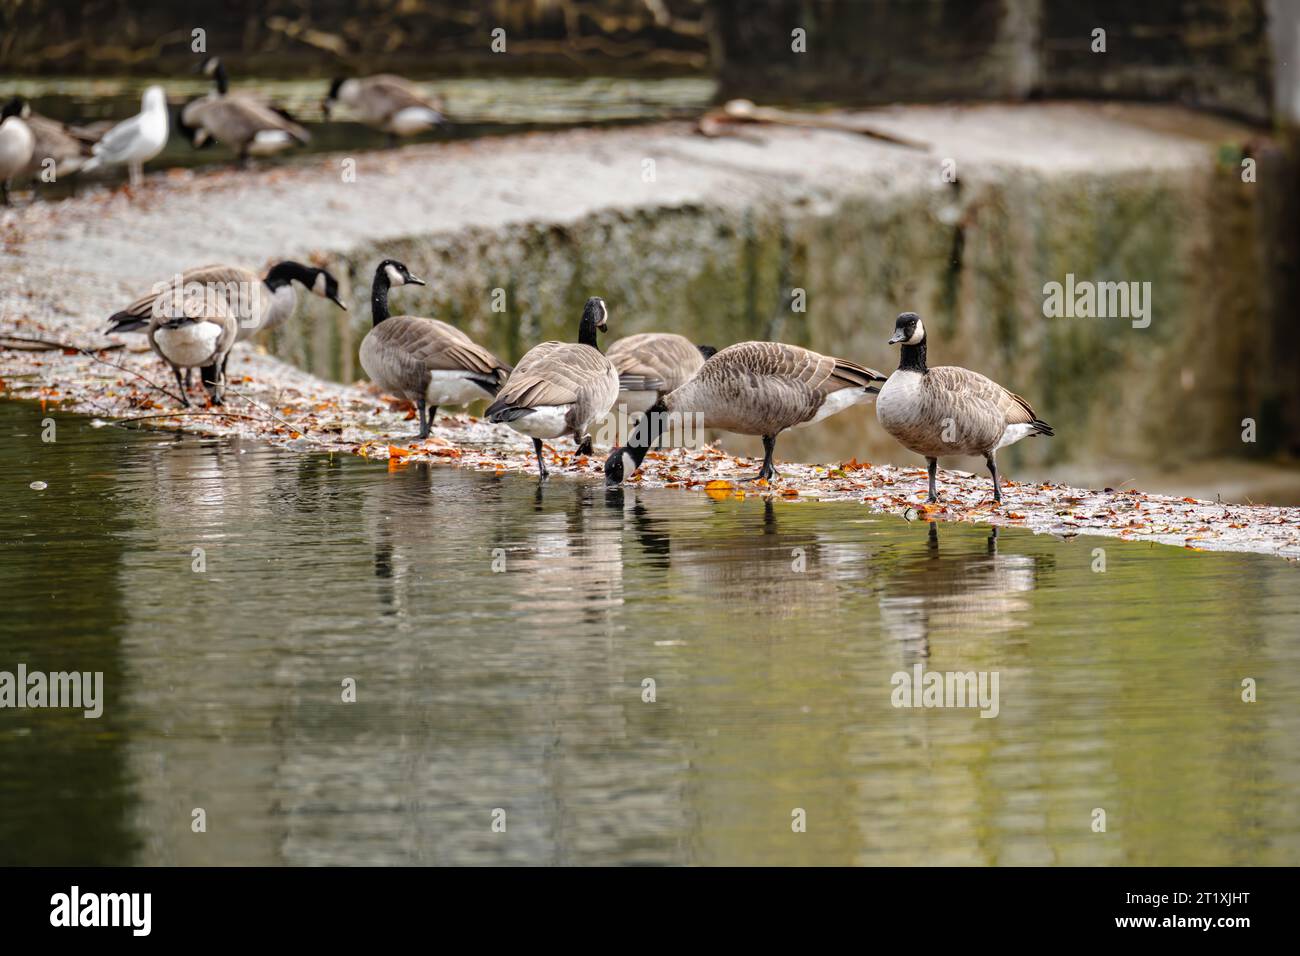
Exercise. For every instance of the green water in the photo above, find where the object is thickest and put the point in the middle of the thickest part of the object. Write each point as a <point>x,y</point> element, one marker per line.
<point>522,689</point>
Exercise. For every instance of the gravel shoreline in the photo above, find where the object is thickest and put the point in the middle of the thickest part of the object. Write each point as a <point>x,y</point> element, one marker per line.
<point>67,265</point>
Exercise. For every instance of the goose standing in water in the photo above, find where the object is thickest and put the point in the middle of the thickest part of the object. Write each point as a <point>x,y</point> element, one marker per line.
<point>561,388</point>
<point>387,103</point>
<point>425,361</point>
<point>135,141</point>
<point>949,410</point>
<point>652,364</point>
<point>17,143</point>
<point>256,303</point>
<point>753,388</point>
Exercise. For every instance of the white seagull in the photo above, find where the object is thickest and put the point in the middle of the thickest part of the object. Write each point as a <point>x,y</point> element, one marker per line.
<point>135,141</point>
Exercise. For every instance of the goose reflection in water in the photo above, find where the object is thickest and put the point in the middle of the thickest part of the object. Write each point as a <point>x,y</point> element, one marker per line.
<point>955,596</point>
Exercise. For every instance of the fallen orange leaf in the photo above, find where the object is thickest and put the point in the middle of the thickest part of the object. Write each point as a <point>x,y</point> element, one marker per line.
<point>395,452</point>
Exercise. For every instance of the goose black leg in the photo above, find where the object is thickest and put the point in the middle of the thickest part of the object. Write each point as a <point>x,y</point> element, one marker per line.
<point>421,406</point>
<point>993,470</point>
<point>541,465</point>
<point>768,471</point>
<point>933,465</point>
<point>180,384</point>
<point>211,379</point>
<point>189,379</point>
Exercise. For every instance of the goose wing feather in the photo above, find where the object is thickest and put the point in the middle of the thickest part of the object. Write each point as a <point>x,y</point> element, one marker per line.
<point>762,388</point>
<point>218,281</point>
<point>655,356</point>
<point>386,94</point>
<point>561,373</point>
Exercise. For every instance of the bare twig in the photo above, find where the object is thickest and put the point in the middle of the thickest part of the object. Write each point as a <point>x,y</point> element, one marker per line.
<point>123,368</point>
<point>49,344</point>
<point>238,394</point>
<point>193,413</point>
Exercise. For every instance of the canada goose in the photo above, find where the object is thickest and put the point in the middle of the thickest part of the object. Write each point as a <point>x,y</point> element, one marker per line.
<point>652,364</point>
<point>135,141</point>
<point>425,361</point>
<point>949,410</point>
<point>387,103</point>
<point>67,147</point>
<point>240,121</point>
<point>559,388</point>
<point>256,303</point>
<point>189,334</point>
<point>753,388</point>
<point>16,143</point>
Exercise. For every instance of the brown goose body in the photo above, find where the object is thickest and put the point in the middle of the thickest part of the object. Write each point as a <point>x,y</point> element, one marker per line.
<point>427,359</point>
<point>753,388</point>
<point>388,103</point>
<point>243,124</point>
<point>69,147</point>
<point>950,410</point>
<point>257,303</point>
<point>185,337</point>
<point>652,364</point>
<point>763,388</point>
<point>561,388</point>
<point>556,389</point>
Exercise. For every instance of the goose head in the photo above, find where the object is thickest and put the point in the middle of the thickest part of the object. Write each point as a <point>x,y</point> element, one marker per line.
<point>213,68</point>
<point>708,351</point>
<point>16,107</point>
<point>908,330</point>
<point>338,87</point>
<point>395,273</point>
<point>597,313</point>
<point>327,287</point>
<point>618,466</point>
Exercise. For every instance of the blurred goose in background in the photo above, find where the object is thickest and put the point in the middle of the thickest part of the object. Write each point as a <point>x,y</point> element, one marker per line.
<point>387,103</point>
<point>753,388</point>
<point>652,364</point>
<point>949,410</point>
<point>240,121</point>
<point>561,388</point>
<point>69,147</point>
<point>425,361</point>
<point>256,303</point>
<point>16,143</point>
<point>135,141</point>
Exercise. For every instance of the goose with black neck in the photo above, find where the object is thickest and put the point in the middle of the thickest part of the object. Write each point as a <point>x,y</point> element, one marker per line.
<point>949,410</point>
<point>561,388</point>
<point>423,360</point>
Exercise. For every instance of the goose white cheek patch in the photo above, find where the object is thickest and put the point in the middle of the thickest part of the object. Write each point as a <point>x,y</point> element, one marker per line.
<point>394,277</point>
<point>319,285</point>
<point>917,334</point>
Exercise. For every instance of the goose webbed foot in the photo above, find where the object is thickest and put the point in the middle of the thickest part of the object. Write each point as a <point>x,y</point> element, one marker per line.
<point>584,446</point>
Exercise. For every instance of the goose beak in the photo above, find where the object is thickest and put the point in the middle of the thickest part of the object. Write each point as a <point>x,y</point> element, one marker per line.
<point>414,281</point>
<point>337,301</point>
<point>896,337</point>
